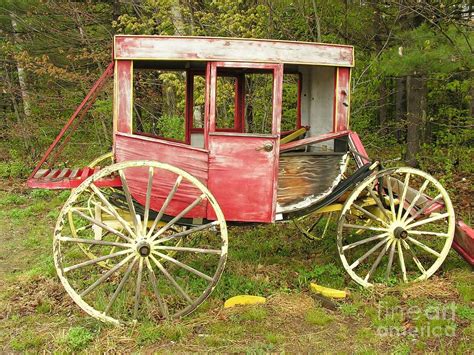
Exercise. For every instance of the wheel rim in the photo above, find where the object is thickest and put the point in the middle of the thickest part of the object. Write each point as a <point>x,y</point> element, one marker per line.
<point>381,240</point>
<point>157,269</point>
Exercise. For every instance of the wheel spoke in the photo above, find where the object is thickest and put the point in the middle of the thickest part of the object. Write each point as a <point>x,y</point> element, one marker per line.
<point>120,285</point>
<point>184,266</point>
<point>96,260</point>
<point>186,232</point>
<point>428,233</point>
<point>171,280</point>
<point>415,199</point>
<point>379,203</point>
<point>363,241</point>
<point>368,214</point>
<point>106,275</point>
<point>402,260</point>
<point>165,205</point>
<point>428,220</point>
<point>390,259</point>
<point>192,250</point>
<point>154,284</point>
<point>356,226</point>
<point>94,241</point>
<point>368,253</point>
<point>424,247</point>
<point>138,288</point>
<point>404,193</point>
<point>148,198</point>
<point>128,197</point>
<point>390,196</point>
<point>377,261</point>
<point>196,202</point>
<point>102,225</point>
<point>424,208</point>
<point>112,210</point>
<point>414,257</point>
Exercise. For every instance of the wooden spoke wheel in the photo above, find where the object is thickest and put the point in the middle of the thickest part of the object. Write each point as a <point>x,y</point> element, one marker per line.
<point>161,266</point>
<point>92,209</point>
<point>403,234</point>
<point>315,225</point>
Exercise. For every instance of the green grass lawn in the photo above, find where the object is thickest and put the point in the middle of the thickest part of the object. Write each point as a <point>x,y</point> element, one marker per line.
<point>274,261</point>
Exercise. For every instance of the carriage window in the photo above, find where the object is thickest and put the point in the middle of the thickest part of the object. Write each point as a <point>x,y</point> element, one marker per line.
<point>225,102</point>
<point>159,103</point>
<point>290,117</point>
<point>258,102</point>
<point>199,100</point>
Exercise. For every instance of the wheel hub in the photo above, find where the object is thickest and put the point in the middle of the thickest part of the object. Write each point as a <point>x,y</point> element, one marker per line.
<point>143,248</point>
<point>400,233</point>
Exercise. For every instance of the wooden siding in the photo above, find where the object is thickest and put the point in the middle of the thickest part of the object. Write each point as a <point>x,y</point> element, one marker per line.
<point>124,95</point>
<point>342,99</point>
<point>190,159</point>
<point>242,176</point>
<point>231,49</point>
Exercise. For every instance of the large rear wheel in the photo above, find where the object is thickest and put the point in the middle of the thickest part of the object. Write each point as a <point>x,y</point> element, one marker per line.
<point>160,266</point>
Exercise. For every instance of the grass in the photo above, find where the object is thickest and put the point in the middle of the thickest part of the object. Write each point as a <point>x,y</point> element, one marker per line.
<point>272,261</point>
<point>318,316</point>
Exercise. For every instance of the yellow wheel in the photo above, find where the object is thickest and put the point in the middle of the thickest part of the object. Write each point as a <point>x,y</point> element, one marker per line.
<point>403,235</point>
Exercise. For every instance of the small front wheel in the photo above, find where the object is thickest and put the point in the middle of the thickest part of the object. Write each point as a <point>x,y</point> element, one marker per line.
<point>159,265</point>
<point>396,225</point>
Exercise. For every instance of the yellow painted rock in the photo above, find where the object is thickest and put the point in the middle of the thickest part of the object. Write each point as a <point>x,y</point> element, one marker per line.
<point>243,300</point>
<point>328,292</point>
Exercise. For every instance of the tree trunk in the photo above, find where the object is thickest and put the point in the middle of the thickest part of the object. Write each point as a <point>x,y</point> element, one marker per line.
<point>318,22</point>
<point>400,108</point>
<point>383,107</point>
<point>177,18</point>
<point>21,75</point>
<point>416,116</point>
<point>116,10</point>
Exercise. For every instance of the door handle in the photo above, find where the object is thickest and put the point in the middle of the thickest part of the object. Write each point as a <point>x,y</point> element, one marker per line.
<point>267,147</point>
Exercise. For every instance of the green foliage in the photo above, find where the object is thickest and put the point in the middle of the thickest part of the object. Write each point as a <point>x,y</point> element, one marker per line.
<point>424,50</point>
<point>78,338</point>
<point>171,127</point>
<point>14,169</point>
<point>349,309</point>
<point>327,275</point>
<point>318,316</point>
<point>25,341</point>
<point>465,312</point>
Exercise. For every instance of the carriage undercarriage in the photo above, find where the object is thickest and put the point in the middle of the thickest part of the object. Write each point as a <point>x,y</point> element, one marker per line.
<point>146,237</point>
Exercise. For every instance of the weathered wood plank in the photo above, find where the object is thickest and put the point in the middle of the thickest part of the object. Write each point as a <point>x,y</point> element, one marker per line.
<point>231,49</point>
<point>306,178</point>
<point>41,173</point>
<point>242,177</point>
<point>190,159</point>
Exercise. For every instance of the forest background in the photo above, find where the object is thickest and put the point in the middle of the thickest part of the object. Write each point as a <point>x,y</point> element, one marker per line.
<point>412,87</point>
<point>412,99</point>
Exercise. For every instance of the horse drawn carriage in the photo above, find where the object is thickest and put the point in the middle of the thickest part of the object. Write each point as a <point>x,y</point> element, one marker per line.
<point>264,138</point>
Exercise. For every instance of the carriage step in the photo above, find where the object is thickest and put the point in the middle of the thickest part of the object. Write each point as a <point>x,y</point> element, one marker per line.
<point>66,178</point>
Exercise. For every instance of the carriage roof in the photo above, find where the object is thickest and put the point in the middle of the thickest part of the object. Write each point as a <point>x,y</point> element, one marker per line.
<point>171,48</point>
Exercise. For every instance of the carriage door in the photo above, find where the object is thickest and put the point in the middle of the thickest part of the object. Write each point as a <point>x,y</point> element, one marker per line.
<point>244,112</point>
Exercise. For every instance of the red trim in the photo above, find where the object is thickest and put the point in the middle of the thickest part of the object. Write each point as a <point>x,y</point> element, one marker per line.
<point>189,105</point>
<point>464,241</point>
<point>334,106</point>
<point>359,148</point>
<point>91,95</point>
<point>154,136</point>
